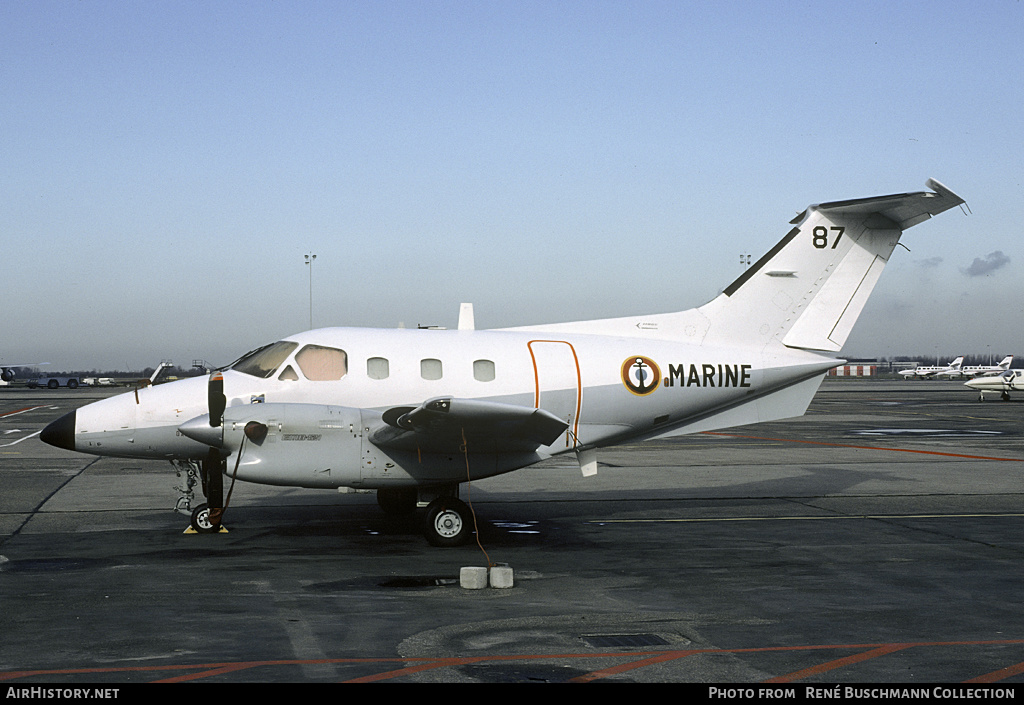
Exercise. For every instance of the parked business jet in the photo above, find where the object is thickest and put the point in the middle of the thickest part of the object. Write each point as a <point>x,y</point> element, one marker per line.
<point>9,371</point>
<point>1010,380</point>
<point>413,414</point>
<point>921,372</point>
<point>985,370</point>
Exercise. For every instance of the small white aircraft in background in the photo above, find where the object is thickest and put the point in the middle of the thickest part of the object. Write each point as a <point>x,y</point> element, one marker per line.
<point>1003,383</point>
<point>985,370</point>
<point>9,371</point>
<point>413,414</point>
<point>921,372</point>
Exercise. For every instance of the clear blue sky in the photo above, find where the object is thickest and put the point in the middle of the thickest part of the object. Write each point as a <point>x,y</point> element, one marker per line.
<point>165,166</point>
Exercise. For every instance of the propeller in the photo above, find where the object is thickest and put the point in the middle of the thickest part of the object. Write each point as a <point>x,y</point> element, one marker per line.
<point>209,429</point>
<point>215,463</point>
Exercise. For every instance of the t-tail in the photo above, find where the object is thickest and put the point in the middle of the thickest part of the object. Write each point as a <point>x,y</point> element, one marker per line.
<point>808,290</point>
<point>806,293</point>
<point>799,302</point>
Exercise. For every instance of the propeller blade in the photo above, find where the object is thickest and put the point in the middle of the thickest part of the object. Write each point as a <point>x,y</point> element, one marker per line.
<point>216,401</point>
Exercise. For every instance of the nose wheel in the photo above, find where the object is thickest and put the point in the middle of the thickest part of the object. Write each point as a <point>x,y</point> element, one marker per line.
<point>201,522</point>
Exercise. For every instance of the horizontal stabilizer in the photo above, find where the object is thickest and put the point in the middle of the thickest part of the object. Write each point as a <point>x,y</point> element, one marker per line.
<point>905,210</point>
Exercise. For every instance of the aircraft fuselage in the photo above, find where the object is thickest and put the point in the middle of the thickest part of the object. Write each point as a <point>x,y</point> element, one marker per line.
<point>323,405</point>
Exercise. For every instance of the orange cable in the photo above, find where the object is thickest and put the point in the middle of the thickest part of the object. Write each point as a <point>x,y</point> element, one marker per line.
<point>469,500</point>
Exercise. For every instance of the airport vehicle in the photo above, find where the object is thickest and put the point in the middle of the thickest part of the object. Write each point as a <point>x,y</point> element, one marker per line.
<point>9,371</point>
<point>983,370</point>
<point>54,382</point>
<point>413,414</point>
<point>99,381</point>
<point>1004,383</point>
<point>921,372</point>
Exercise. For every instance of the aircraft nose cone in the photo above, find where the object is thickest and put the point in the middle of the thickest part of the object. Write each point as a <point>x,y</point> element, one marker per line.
<point>60,433</point>
<point>199,429</point>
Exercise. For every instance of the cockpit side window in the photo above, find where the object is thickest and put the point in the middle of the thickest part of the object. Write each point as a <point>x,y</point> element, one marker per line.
<point>321,364</point>
<point>265,361</point>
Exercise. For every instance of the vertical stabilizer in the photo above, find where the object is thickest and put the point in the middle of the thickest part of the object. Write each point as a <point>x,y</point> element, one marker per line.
<point>808,290</point>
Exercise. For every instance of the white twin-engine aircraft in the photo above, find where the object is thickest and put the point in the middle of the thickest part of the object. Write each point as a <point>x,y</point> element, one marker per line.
<point>413,414</point>
<point>926,372</point>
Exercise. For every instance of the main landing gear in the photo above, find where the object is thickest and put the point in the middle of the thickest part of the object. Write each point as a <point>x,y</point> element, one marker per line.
<point>447,520</point>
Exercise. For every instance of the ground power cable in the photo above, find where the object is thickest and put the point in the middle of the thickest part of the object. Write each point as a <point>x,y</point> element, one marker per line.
<point>35,510</point>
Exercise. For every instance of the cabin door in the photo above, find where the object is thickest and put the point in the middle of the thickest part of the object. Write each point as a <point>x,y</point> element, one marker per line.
<point>557,384</point>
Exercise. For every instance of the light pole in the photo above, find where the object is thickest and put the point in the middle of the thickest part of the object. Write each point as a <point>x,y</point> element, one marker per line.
<point>309,262</point>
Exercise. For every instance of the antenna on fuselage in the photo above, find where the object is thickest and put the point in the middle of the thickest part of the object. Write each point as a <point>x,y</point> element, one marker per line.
<point>466,321</point>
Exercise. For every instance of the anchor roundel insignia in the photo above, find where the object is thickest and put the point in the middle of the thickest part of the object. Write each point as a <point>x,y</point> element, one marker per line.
<point>641,375</point>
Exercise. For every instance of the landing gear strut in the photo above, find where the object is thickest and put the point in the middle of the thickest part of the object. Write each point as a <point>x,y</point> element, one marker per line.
<point>206,517</point>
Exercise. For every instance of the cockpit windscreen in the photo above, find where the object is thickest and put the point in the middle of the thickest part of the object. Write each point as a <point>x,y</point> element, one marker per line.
<point>265,361</point>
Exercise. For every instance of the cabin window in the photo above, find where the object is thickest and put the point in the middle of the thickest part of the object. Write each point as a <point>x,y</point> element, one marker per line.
<point>322,364</point>
<point>378,368</point>
<point>289,375</point>
<point>483,370</point>
<point>430,369</point>
<point>264,361</point>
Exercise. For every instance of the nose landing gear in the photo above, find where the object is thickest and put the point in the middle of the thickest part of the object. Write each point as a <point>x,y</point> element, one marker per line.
<point>205,518</point>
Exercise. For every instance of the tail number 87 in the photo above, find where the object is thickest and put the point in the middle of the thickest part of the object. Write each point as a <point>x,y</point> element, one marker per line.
<point>820,236</point>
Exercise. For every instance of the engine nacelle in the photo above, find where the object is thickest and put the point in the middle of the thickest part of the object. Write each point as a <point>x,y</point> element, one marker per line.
<point>323,446</point>
<point>7,374</point>
<point>305,445</point>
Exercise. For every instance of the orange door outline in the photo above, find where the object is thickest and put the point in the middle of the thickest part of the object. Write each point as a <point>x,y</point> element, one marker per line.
<point>573,434</point>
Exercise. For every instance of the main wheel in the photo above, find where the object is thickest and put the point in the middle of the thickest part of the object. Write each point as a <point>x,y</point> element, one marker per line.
<point>201,520</point>
<point>447,522</point>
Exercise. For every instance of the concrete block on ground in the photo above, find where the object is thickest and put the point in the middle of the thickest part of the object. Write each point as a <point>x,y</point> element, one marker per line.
<point>501,576</point>
<point>473,577</point>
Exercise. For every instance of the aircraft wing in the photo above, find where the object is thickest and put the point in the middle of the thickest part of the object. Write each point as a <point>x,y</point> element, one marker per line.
<point>448,424</point>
